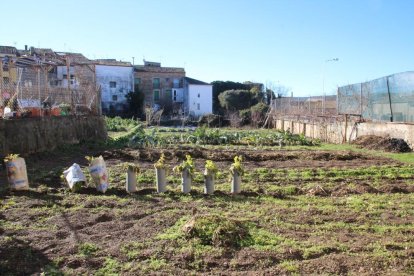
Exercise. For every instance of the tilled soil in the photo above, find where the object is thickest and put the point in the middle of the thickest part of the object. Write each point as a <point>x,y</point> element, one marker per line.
<point>363,227</point>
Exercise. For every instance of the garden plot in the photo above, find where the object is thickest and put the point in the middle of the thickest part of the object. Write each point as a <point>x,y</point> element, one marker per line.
<point>300,211</point>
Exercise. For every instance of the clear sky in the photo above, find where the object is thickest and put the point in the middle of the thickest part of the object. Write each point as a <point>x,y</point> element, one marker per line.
<point>279,41</point>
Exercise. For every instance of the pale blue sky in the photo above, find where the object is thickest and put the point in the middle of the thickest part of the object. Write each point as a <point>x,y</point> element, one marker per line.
<point>282,41</point>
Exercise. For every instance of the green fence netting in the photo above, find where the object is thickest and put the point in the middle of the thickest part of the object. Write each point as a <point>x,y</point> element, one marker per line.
<point>389,98</point>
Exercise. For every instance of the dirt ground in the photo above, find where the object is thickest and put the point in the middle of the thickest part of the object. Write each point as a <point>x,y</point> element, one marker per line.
<point>308,212</point>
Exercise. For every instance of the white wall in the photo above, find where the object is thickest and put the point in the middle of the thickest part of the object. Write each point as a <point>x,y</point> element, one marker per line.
<point>199,99</point>
<point>62,70</point>
<point>124,78</point>
<point>179,95</point>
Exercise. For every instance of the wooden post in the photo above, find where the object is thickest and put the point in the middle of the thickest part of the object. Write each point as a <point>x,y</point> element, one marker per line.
<point>346,127</point>
<point>72,106</point>
<point>38,88</point>
<point>46,81</point>
<point>1,82</point>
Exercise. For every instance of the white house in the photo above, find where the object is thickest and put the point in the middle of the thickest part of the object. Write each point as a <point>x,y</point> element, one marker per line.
<point>197,97</point>
<point>116,80</point>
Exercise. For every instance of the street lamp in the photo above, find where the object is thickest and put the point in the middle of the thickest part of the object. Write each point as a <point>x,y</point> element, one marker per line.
<point>323,82</point>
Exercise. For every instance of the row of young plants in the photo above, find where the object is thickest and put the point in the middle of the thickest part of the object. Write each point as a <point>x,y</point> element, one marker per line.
<point>186,170</point>
<point>139,138</point>
<point>18,180</point>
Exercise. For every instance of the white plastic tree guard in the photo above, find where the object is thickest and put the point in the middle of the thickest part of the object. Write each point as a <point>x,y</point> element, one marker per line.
<point>209,184</point>
<point>236,183</point>
<point>131,181</point>
<point>161,182</point>
<point>185,181</point>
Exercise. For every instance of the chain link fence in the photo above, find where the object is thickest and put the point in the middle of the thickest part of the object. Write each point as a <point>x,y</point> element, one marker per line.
<point>48,90</point>
<point>309,106</point>
<point>385,99</point>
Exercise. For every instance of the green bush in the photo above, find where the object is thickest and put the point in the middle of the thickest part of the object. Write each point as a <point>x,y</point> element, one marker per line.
<point>260,108</point>
<point>237,99</point>
<point>245,115</point>
<point>216,230</point>
<point>119,124</point>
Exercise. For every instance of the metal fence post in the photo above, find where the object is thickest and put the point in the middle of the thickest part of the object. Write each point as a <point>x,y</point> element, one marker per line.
<point>389,98</point>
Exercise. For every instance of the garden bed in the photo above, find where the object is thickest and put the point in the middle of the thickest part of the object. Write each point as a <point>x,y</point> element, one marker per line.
<point>300,211</point>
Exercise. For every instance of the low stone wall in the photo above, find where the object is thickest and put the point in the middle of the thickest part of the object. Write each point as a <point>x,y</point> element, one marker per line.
<point>395,130</point>
<point>340,131</point>
<point>30,135</point>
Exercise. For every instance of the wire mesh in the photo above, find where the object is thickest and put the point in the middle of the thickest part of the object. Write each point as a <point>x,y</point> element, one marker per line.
<point>45,90</point>
<point>389,98</point>
<point>314,106</point>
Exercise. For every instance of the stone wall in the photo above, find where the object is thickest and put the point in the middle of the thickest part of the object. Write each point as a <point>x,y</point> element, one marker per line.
<point>340,131</point>
<point>166,76</point>
<point>30,135</point>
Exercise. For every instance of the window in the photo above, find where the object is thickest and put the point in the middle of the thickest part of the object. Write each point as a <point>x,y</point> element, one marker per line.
<point>175,95</point>
<point>198,95</point>
<point>168,94</point>
<point>137,81</point>
<point>114,98</point>
<point>156,95</point>
<point>65,76</point>
<point>6,80</point>
<point>156,83</point>
<point>176,83</point>
<point>112,84</point>
<point>198,106</point>
<point>167,79</point>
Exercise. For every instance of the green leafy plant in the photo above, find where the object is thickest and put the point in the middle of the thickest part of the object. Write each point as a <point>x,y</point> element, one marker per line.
<point>237,166</point>
<point>210,168</point>
<point>90,159</point>
<point>65,108</point>
<point>119,124</point>
<point>87,249</point>
<point>10,157</point>
<point>188,165</point>
<point>132,167</point>
<point>160,164</point>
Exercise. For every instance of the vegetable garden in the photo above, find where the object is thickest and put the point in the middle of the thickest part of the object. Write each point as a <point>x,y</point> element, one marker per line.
<point>302,207</point>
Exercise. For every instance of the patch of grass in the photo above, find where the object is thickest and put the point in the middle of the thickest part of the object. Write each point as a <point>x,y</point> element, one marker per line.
<point>290,266</point>
<point>7,204</point>
<point>51,270</point>
<point>87,249</point>
<point>111,267</point>
<point>156,264</point>
<point>216,230</point>
<point>132,249</point>
<point>8,225</point>
<point>262,239</point>
<point>175,231</point>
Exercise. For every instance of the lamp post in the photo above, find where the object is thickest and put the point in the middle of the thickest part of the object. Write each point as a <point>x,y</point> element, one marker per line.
<point>323,82</point>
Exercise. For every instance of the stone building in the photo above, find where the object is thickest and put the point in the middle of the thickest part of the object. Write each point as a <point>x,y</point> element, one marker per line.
<point>116,80</point>
<point>159,84</point>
